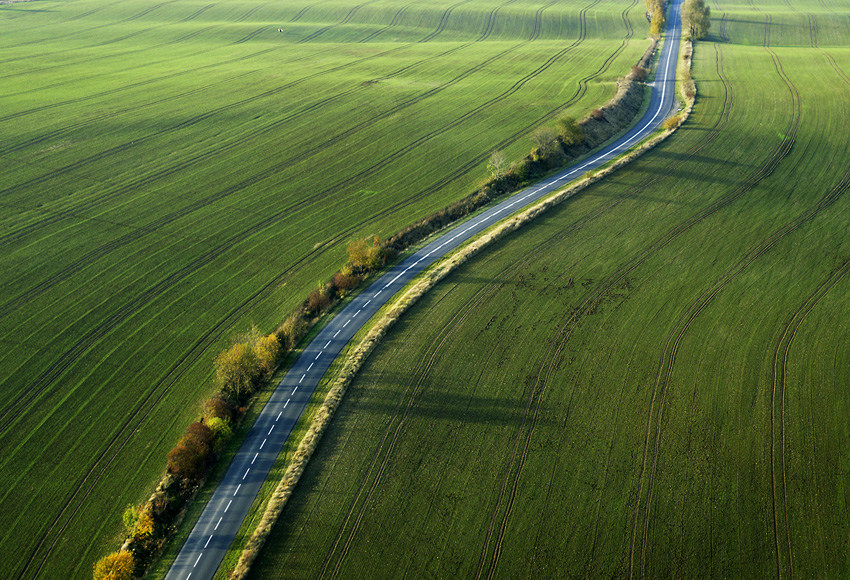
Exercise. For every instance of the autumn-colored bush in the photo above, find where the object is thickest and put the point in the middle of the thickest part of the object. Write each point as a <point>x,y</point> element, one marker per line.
<point>115,566</point>
<point>639,73</point>
<point>292,329</point>
<point>218,408</point>
<point>598,114</point>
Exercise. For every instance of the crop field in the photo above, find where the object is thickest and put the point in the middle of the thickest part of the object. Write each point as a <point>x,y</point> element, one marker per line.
<point>174,171</point>
<point>648,381</point>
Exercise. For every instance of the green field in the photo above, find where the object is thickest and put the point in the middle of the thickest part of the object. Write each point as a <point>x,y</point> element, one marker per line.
<point>648,381</point>
<point>175,171</point>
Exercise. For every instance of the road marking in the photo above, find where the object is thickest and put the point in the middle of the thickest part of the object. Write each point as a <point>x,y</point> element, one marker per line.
<point>208,542</point>
<point>337,332</point>
<point>367,303</point>
<point>301,379</point>
<point>378,293</point>
<point>309,367</point>
<point>271,429</point>
<point>263,443</point>
<point>281,413</point>
<point>356,313</point>
<point>189,576</point>
<point>318,355</point>
<point>328,344</point>
<point>217,523</point>
<point>295,389</point>
<point>198,560</point>
<point>234,493</point>
<point>284,406</point>
<point>231,501</point>
<point>246,473</point>
<point>346,323</point>
<point>255,457</point>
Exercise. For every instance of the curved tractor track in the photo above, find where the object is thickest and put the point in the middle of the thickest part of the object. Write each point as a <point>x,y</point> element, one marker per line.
<point>114,446</point>
<point>53,372</point>
<point>674,339</point>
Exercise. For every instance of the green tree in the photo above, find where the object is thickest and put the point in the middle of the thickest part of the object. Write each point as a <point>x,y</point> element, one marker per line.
<point>498,164</point>
<point>130,517</point>
<point>571,133</point>
<point>698,17</point>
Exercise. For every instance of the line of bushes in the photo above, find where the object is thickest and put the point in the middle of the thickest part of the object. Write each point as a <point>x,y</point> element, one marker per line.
<point>252,358</point>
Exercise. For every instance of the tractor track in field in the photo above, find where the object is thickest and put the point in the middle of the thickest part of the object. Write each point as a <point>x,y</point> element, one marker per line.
<point>22,299</point>
<point>54,371</point>
<point>396,19</point>
<point>180,166</point>
<point>391,433</point>
<point>444,20</point>
<point>191,357</point>
<point>18,59</point>
<point>670,349</point>
<point>778,383</point>
<point>345,20</point>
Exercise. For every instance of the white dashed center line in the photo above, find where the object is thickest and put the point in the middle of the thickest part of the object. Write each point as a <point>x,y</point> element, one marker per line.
<point>263,443</point>
<point>227,507</point>
<point>255,457</point>
<point>246,473</point>
<point>208,542</point>
<point>218,523</point>
<point>281,413</point>
<point>198,560</point>
<point>234,493</point>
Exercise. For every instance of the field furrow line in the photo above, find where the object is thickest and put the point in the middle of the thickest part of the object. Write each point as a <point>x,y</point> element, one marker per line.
<point>259,295</point>
<point>20,300</point>
<point>779,380</point>
<point>345,20</point>
<point>393,23</point>
<point>673,341</point>
<point>444,20</point>
<point>178,366</point>
<point>410,394</point>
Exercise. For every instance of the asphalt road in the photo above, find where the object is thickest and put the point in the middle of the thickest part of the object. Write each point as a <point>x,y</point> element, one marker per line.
<point>204,550</point>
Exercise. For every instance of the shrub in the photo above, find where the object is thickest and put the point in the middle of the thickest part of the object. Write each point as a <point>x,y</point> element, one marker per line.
<point>639,73</point>
<point>130,517</point>
<point>218,408</point>
<point>345,282</point>
<point>365,256</point>
<point>235,369</point>
<point>673,122</point>
<point>318,300</point>
<point>598,114</point>
<point>267,349</point>
<point>570,131</point>
<point>222,432</point>
<point>292,329</point>
<point>187,462</point>
<point>145,525</point>
<point>114,566</point>
<point>498,164</point>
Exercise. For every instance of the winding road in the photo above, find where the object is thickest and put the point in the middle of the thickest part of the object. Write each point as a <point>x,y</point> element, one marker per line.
<point>208,542</point>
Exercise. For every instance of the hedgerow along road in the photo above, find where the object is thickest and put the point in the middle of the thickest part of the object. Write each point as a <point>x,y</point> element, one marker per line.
<point>214,531</point>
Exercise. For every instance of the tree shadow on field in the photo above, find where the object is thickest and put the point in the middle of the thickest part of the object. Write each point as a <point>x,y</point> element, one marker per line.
<point>435,401</point>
